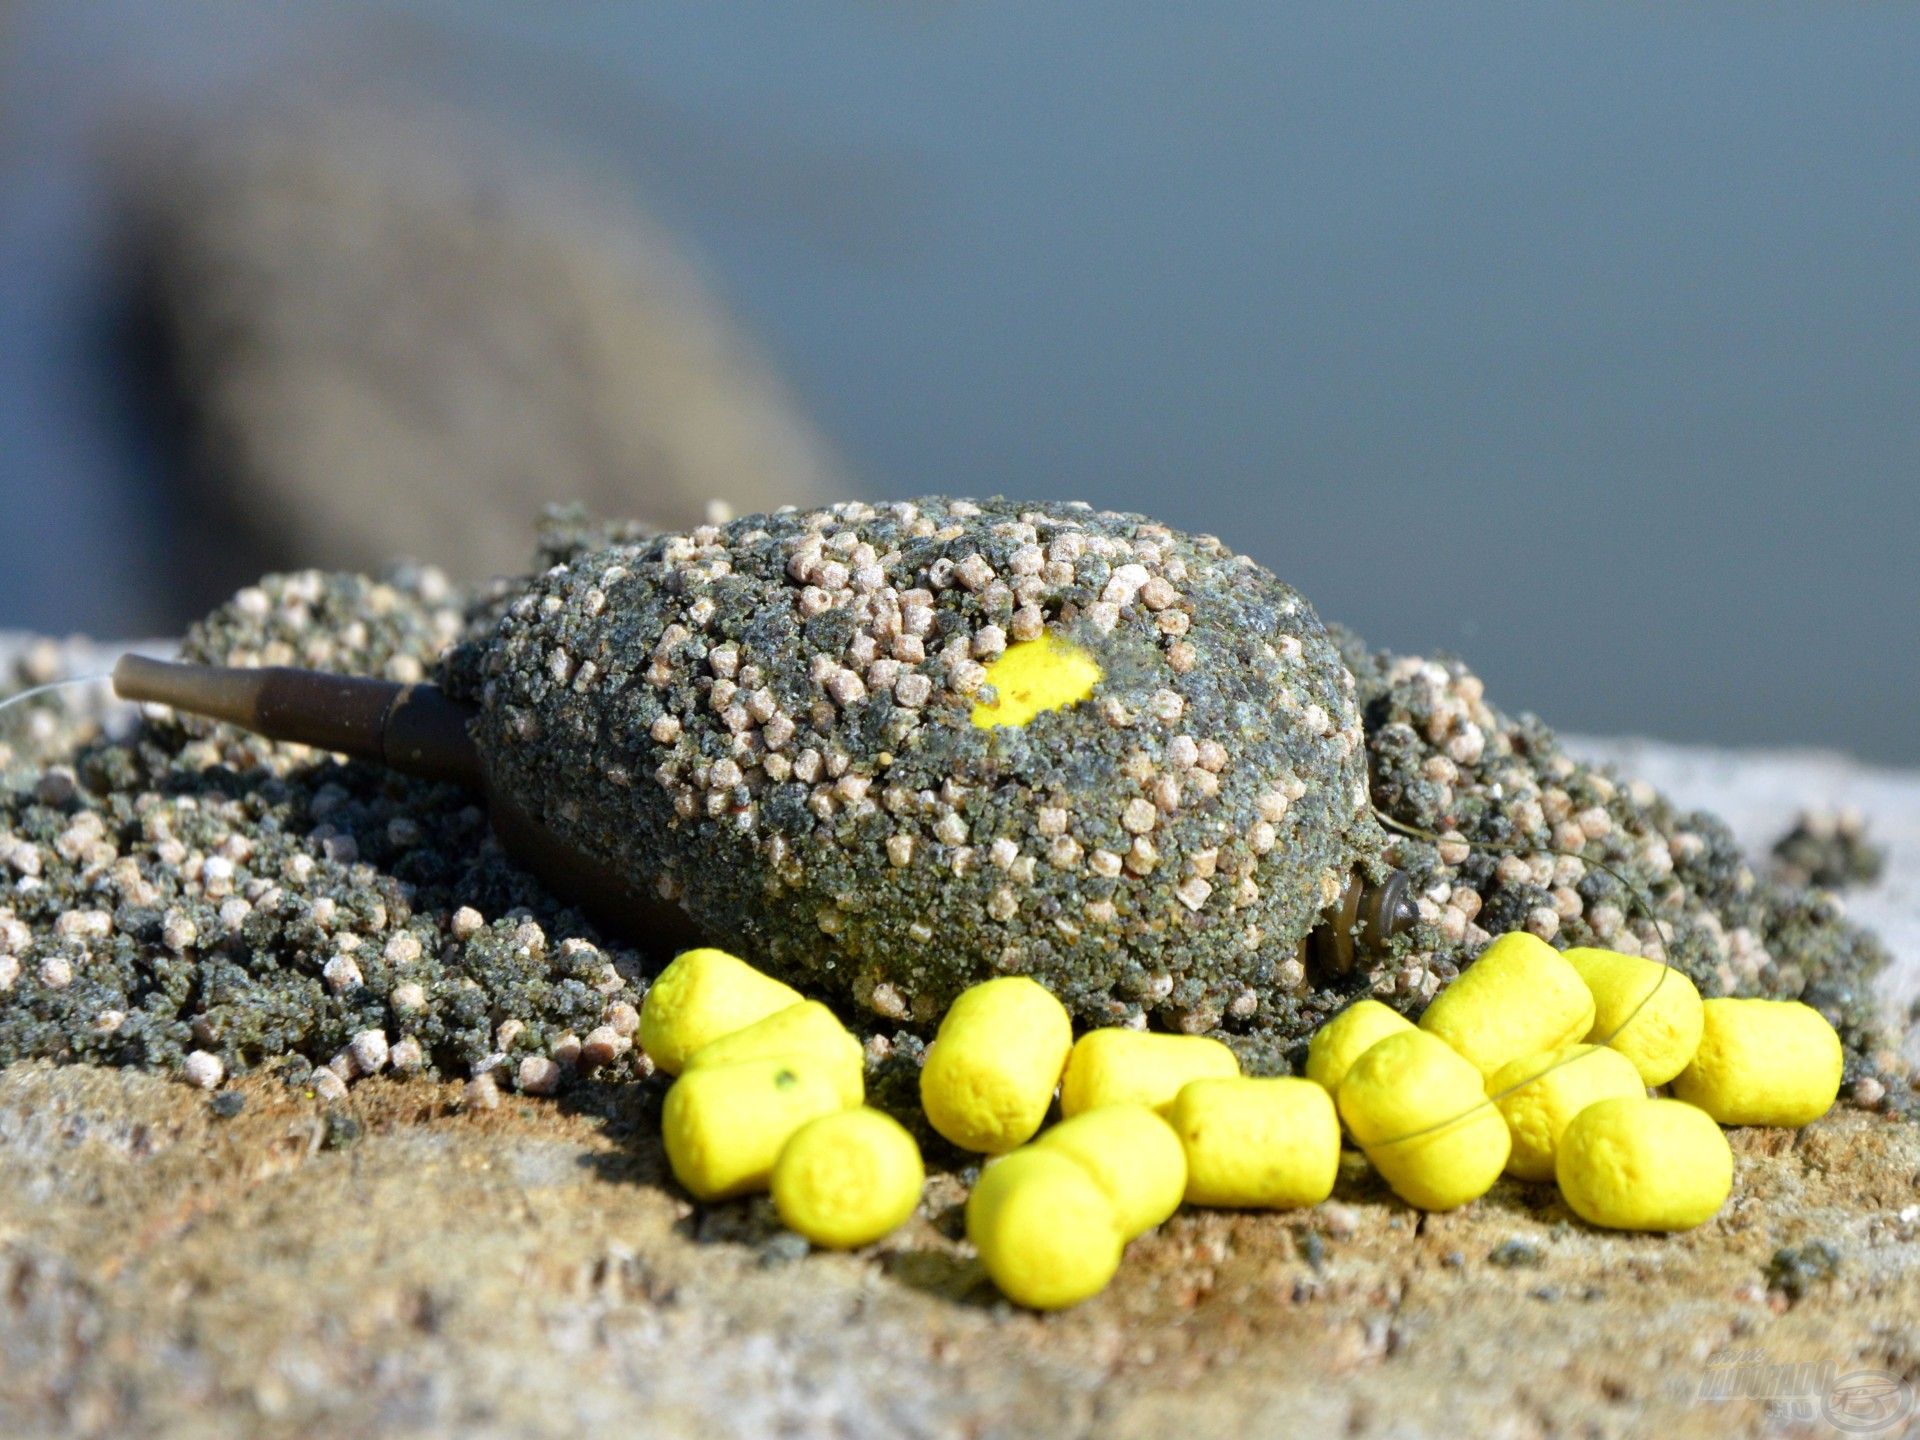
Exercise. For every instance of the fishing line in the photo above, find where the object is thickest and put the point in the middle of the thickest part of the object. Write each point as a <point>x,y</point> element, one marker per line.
<point>1638,901</point>
<point>34,691</point>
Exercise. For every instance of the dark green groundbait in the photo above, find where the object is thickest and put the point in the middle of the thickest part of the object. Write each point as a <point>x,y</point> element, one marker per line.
<point>782,706</point>
<point>188,888</point>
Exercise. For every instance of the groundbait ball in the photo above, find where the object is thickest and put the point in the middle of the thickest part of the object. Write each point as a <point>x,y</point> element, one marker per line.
<point>891,751</point>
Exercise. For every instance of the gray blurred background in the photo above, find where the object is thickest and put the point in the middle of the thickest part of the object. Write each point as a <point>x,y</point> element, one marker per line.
<point>1582,340</point>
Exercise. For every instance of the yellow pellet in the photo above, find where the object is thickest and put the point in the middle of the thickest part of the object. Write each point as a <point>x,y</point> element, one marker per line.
<point>1033,677</point>
<point>1348,1036</point>
<point>848,1179</point>
<point>1763,1062</point>
<point>1274,1144</point>
<point>725,1126</point>
<point>808,1028</point>
<point>1647,1011</point>
<point>1045,1230</point>
<point>701,996</point>
<point>1421,1114</point>
<point>1640,1164</point>
<point>1518,998</point>
<point>1133,1155</point>
<point>1138,1067</point>
<point>991,1070</point>
<point>1540,1094</point>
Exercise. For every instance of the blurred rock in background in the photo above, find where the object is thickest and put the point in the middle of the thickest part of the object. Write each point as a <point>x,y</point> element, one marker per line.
<point>382,330</point>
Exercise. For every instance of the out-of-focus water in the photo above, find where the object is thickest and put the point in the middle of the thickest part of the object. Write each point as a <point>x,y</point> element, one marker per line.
<point>1580,339</point>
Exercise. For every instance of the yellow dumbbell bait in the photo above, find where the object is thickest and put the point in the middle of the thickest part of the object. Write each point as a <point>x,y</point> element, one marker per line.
<point>1763,1062</point>
<point>1647,1011</point>
<point>1518,998</point>
<point>805,1029</point>
<point>992,1068</point>
<point>1539,1095</point>
<point>1268,1144</point>
<point>1348,1036</point>
<point>702,996</point>
<point>1133,1155</point>
<point>725,1125</point>
<point>1640,1164</point>
<point>1420,1112</point>
<point>1138,1067</point>
<point>1046,1232</point>
<point>848,1179</point>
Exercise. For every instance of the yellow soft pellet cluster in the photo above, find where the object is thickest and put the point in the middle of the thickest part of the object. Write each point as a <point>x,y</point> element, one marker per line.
<point>770,1097</point>
<point>1763,1062</point>
<point>701,996</point>
<point>1519,998</point>
<point>1647,1011</point>
<point>1540,1094</point>
<point>1268,1144</point>
<point>1116,1067</point>
<point>1637,1164</point>
<point>990,1073</point>
<point>1421,1115</point>
<point>846,1180</point>
<point>1133,1155</point>
<point>1533,1063</point>
<point>1348,1036</point>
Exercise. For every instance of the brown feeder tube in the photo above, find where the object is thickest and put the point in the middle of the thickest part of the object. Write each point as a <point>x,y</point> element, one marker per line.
<point>414,729</point>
